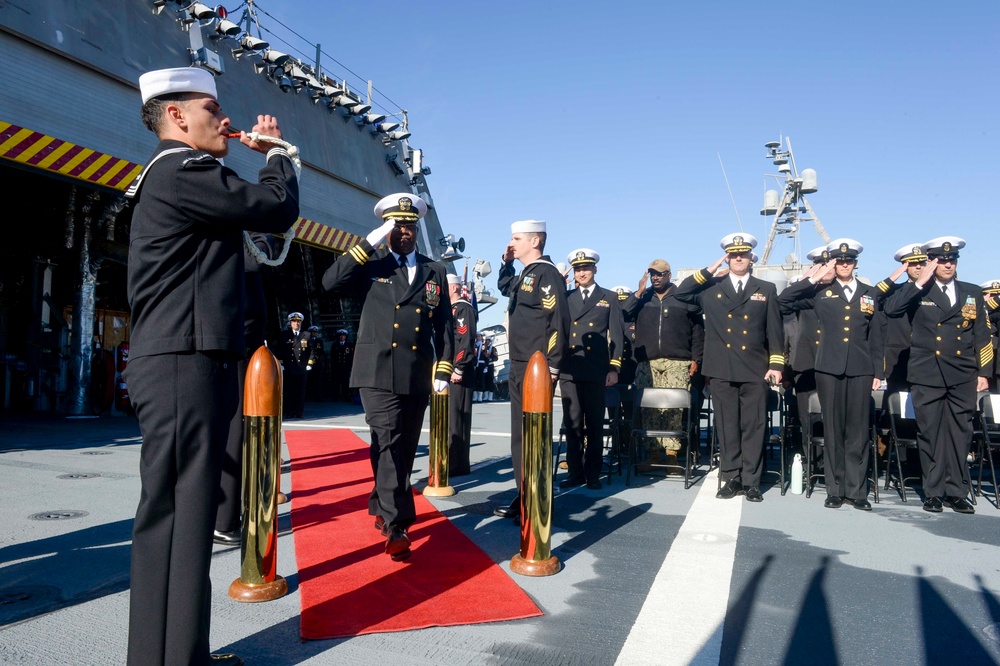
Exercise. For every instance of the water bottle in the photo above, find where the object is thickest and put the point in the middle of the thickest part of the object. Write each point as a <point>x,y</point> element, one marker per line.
<point>796,483</point>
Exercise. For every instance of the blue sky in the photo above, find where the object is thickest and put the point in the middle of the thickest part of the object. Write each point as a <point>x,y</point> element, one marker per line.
<point>608,120</point>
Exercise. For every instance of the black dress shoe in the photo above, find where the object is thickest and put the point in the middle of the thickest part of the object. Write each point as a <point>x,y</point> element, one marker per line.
<point>380,526</point>
<point>226,538</point>
<point>932,504</point>
<point>397,540</point>
<point>861,504</point>
<point>958,504</point>
<point>753,494</point>
<point>731,489</point>
<point>594,484</point>
<point>833,502</point>
<point>572,482</point>
<point>402,555</point>
<point>513,510</point>
<point>225,660</point>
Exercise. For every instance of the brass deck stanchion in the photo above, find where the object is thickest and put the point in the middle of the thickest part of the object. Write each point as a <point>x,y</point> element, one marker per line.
<point>258,579</point>
<point>536,558</point>
<point>437,477</point>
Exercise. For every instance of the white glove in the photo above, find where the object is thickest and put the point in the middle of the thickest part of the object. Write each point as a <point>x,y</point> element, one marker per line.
<point>440,385</point>
<point>308,368</point>
<point>376,236</point>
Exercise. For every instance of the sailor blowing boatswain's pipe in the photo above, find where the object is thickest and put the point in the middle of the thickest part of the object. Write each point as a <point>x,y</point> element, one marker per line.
<point>185,288</point>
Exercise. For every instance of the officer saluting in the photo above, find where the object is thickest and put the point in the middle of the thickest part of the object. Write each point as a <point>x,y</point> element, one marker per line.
<point>594,359</point>
<point>848,365</point>
<point>991,292</point>
<point>405,323</point>
<point>744,349</point>
<point>951,356</point>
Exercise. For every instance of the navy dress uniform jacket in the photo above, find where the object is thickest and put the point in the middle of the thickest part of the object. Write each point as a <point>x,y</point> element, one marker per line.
<point>596,339</point>
<point>403,325</point>
<point>539,316</point>
<point>948,344</point>
<point>296,351</point>
<point>850,337</point>
<point>464,317</point>
<point>744,338</point>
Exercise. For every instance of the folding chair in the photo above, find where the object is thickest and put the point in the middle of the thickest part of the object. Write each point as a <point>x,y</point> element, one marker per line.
<point>989,441</point>
<point>651,398</point>
<point>874,411</point>
<point>813,439</point>
<point>902,436</point>
<point>774,435</point>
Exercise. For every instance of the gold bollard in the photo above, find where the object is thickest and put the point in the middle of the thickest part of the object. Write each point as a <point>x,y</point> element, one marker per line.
<point>437,477</point>
<point>258,579</point>
<point>536,558</point>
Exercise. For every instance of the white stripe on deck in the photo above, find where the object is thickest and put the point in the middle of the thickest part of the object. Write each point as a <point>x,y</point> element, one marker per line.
<point>681,620</point>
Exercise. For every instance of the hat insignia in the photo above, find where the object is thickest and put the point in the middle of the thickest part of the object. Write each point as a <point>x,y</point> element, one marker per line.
<point>843,247</point>
<point>826,255</point>
<point>917,249</point>
<point>405,203</point>
<point>737,240</point>
<point>581,255</point>
<point>946,246</point>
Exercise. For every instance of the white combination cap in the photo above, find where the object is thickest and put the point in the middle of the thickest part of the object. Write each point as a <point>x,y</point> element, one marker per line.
<point>910,254</point>
<point>177,80</point>
<point>738,242</point>
<point>402,206</point>
<point>845,248</point>
<point>818,254</point>
<point>582,256</point>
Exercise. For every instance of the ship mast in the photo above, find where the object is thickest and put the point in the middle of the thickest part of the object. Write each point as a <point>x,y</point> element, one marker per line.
<point>789,208</point>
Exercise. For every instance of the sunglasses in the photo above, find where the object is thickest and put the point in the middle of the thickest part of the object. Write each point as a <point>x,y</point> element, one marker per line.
<point>658,273</point>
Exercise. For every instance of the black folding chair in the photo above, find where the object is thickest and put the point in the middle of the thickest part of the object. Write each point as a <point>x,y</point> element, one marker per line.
<point>652,398</point>
<point>902,437</point>
<point>775,434</point>
<point>813,440</point>
<point>989,441</point>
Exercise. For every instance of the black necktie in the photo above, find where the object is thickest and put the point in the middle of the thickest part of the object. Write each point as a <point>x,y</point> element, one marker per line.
<point>402,261</point>
<point>583,292</point>
<point>944,290</point>
<point>739,288</point>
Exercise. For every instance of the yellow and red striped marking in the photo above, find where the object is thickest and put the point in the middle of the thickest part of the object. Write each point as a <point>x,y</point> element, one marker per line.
<point>48,153</point>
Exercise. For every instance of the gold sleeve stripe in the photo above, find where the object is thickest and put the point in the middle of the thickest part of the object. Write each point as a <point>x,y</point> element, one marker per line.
<point>549,302</point>
<point>552,341</point>
<point>776,358</point>
<point>616,364</point>
<point>359,254</point>
<point>992,303</point>
<point>445,366</point>
<point>986,355</point>
<point>883,286</point>
<point>699,277</point>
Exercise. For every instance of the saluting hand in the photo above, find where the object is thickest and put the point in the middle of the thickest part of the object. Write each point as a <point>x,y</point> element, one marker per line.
<point>927,274</point>
<point>641,289</point>
<point>828,273</point>
<point>718,264</point>
<point>508,254</point>
<point>896,274</point>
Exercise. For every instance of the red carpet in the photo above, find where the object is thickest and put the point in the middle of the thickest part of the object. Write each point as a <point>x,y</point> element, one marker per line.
<point>349,586</point>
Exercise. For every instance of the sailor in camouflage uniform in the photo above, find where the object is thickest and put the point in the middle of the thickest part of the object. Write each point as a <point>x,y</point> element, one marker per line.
<point>951,356</point>
<point>744,350</point>
<point>405,324</point>
<point>593,362</point>
<point>538,320</point>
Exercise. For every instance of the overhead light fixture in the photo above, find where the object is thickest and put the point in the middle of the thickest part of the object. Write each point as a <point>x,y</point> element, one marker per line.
<point>398,135</point>
<point>202,12</point>
<point>361,109</point>
<point>372,118</point>
<point>251,43</point>
<point>384,128</point>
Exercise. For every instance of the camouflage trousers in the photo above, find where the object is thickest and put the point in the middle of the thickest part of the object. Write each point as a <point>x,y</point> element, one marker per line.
<point>663,373</point>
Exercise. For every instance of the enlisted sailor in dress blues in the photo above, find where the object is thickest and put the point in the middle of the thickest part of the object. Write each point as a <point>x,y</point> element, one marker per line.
<point>404,338</point>
<point>463,379</point>
<point>744,350</point>
<point>538,318</point>
<point>951,357</point>
<point>848,365</point>
<point>186,292</point>
<point>594,359</point>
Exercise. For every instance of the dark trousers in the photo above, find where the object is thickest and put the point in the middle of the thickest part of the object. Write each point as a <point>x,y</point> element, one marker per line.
<point>460,429</point>
<point>515,384</point>
<point>227,519</point>
<point>395,422</point>
<point>740,413</point>
<point>804,384</point>
<point>185,404</point>
<point>583,418</point>
<point>846,405</point>
<point>944,422</point>
<point>295,392</point>
<point>341,375</point>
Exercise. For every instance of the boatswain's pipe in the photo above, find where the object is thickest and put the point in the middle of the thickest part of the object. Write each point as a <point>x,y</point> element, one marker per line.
<point>536,558</point>
<point>258,579</point>
<point>437,477</point>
